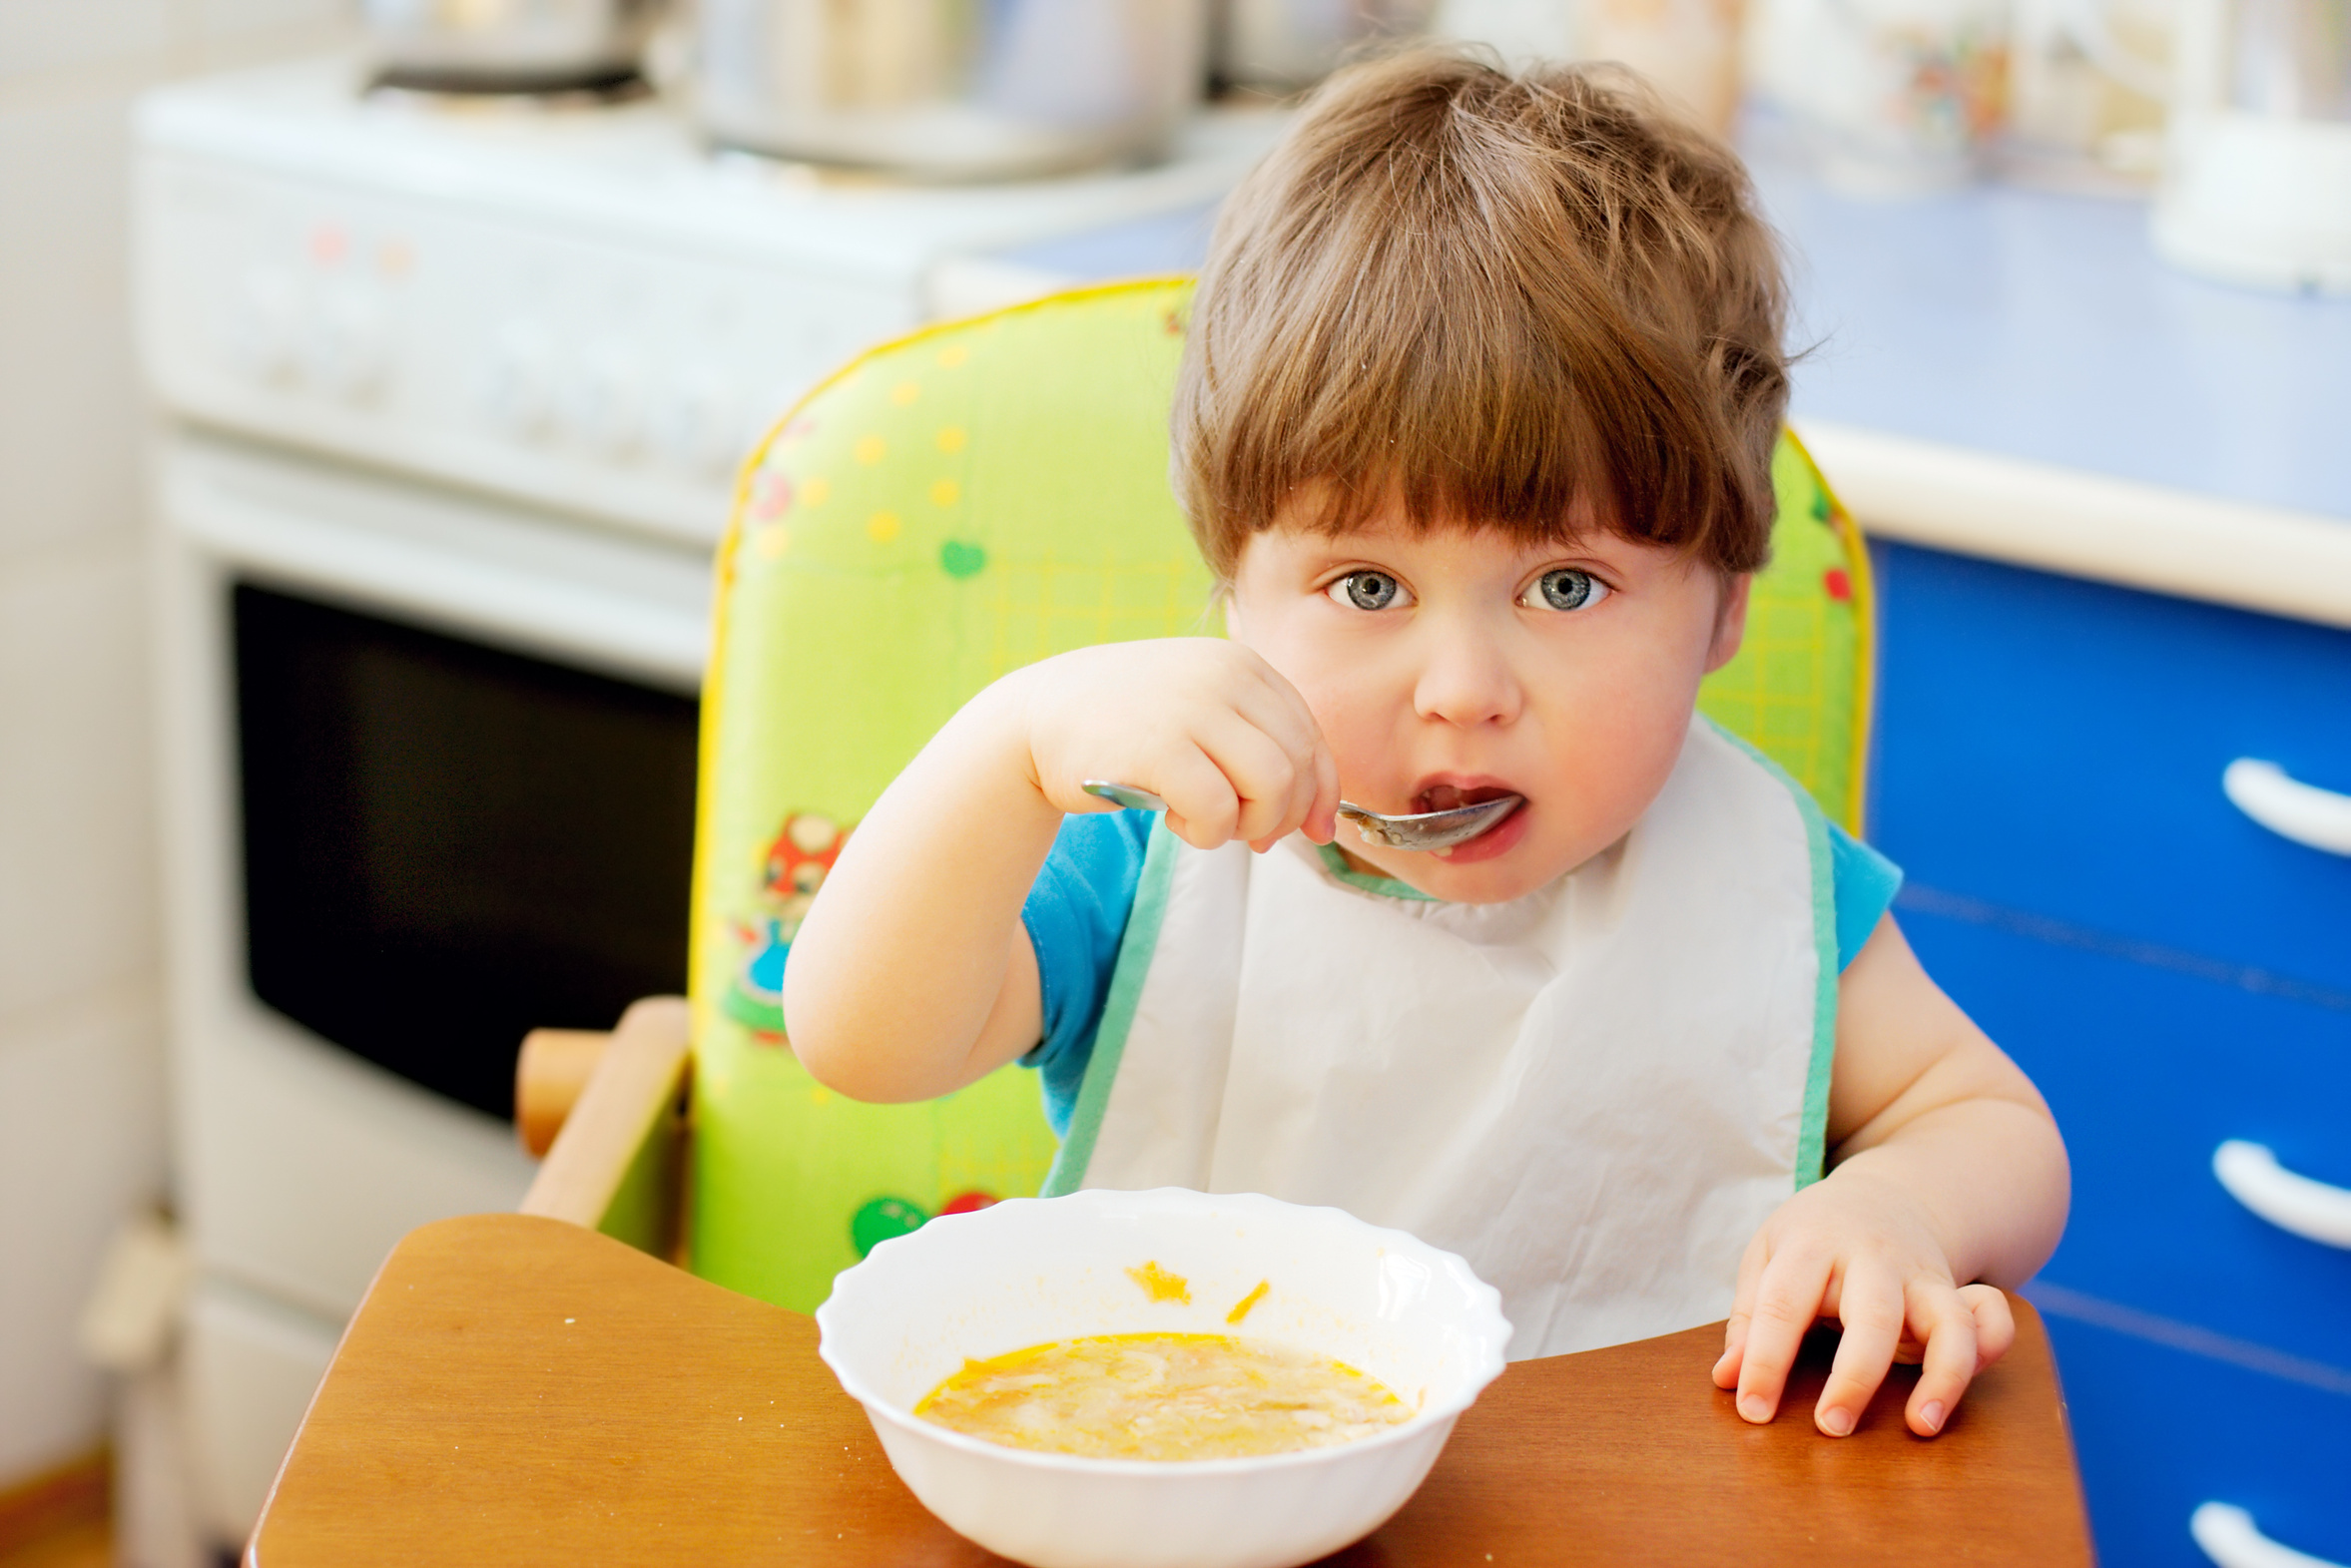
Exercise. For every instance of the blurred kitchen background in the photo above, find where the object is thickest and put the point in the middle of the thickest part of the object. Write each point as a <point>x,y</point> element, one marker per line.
<point>372,382</point>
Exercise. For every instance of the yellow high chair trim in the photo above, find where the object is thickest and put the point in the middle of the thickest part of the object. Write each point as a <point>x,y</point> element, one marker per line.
<point>948,507</point>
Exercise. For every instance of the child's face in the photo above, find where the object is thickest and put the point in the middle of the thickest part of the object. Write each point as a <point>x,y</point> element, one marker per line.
<point>1451,666</point>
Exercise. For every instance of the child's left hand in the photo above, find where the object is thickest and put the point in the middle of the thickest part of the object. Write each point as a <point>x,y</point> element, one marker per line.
<point>1861,1252</point>
<point>1944,1166</point>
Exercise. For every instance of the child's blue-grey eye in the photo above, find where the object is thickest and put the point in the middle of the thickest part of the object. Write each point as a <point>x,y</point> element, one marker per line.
<point>1369,591</point>
<point>1564,588</point>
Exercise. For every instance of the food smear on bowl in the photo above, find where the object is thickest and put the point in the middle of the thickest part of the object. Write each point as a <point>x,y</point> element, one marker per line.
<point>1163,1396</point>
<point>1242,1307</point>
<point>1161,1285</point>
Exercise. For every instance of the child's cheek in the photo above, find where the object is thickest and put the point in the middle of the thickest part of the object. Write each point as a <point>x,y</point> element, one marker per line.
<point>1359,731</point>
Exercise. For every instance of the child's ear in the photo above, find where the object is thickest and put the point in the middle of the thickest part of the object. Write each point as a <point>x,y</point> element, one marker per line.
<point>1730,621</point>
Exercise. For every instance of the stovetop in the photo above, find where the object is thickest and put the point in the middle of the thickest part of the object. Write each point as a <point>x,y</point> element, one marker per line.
<point>575,304</point>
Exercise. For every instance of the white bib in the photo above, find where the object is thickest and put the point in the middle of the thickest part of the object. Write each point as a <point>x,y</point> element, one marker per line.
<point>1594,1093</point>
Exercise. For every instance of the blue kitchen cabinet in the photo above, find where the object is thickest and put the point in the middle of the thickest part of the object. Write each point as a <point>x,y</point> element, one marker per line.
<point>2055,746</point>
<point>2147,1070</point>
<point>2048,774</point>
<point>2162,1430</point>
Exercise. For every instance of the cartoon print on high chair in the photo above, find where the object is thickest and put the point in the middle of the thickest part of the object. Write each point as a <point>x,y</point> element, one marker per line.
<point>948,507</point>
<point>792,871</point>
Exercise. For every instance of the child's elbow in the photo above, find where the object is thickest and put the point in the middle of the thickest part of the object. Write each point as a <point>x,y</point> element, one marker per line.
<point>812,1033</point>
<point>825,1038</point>
<point>830,1067</point>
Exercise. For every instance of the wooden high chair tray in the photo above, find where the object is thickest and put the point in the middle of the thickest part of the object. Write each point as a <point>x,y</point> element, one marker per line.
<point>521,1391</point>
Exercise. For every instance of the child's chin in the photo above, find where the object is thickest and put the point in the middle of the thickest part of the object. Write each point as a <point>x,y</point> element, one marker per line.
<point>1493,867</point>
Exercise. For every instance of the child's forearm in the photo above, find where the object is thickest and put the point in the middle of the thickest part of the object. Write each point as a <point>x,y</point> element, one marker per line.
<point>1992,1175</point>
<point>912,975</point>
<point>1923,1099</point>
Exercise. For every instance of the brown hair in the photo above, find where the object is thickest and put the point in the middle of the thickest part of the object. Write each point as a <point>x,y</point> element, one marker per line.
<point>1491,297</point>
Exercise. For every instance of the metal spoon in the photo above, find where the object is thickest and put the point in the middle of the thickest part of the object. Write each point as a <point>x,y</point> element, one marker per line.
<point>1420,831</point>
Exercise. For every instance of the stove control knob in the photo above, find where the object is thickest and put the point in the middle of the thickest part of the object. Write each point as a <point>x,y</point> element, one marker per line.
<point>264,324</point>
<point>347,344</point>
<point>515,389</point>
<point>699,425</point>
<point>600,402</point>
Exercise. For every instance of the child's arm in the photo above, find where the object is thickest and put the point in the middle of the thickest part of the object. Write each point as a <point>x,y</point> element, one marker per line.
<point>1947,1170</point>
<point>912,974</point>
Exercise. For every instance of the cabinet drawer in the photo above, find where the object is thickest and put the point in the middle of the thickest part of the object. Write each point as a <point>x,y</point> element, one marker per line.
<point>2056,747</point>
<point>2148,1071</point>
<point>2160,1432</point>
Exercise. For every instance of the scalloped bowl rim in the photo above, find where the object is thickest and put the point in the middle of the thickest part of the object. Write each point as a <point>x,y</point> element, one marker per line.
<point>1485,1303</point>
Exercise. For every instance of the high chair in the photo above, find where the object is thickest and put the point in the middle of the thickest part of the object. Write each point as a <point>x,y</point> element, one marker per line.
<point>948,507</point>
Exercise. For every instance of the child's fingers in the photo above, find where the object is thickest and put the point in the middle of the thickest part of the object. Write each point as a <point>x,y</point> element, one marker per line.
<point>1317,787</point>
<point>1869,1305</point>
<point>1734,1333</point>
<point>1996,1322</point>
<point>1203,808</point>
<point>1273,778</point>
<point>1283,712</point>
<point>1946,1325</point>
<point>1787,1304</point>
<point>1304,786</point>
<point>1275,708</point>
<point>1321,806</point>
<point>1261,772</point>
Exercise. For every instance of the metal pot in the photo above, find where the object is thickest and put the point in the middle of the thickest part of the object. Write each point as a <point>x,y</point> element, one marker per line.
<point>951,89</point>
<point>1287,44</point>
<point>515,45</point>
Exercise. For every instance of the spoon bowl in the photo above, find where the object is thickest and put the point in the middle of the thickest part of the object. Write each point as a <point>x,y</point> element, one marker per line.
<point>1419,830</point>
<point>1431,830</point>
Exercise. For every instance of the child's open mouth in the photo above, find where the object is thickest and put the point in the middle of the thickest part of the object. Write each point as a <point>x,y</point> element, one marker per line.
<point>1448,796</point>
<point>1445,794</point>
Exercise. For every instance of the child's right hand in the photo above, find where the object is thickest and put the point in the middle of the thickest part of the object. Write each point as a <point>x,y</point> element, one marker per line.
<point>1203,722</point>
<point>913,973</point>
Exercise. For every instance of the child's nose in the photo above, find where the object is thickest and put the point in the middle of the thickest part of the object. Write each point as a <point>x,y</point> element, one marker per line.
<point>1464,679</point>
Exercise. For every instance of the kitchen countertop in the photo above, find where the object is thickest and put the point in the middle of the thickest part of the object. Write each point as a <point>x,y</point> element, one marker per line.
<point>2013,374</point>
<point>2042,328</point>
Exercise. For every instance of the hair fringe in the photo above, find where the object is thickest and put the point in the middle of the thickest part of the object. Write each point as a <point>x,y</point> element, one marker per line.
<point>1537,303</point>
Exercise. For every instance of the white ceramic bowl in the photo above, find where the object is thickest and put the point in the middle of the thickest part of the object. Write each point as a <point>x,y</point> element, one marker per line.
<point>1036,1270</point>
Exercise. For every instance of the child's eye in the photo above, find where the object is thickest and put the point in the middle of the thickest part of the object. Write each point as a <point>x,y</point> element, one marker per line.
<point>1369,591</point>
<point>1564,588</point>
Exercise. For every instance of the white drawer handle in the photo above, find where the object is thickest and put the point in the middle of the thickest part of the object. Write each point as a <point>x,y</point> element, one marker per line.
<point>2315,818</point>
<point>2230,1538</point>
<point>2291,1202</point>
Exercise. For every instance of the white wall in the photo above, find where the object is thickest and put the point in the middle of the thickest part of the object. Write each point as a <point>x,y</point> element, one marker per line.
<point>81,1071</point>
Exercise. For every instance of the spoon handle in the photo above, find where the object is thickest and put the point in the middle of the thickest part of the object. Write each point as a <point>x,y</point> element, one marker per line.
<point>1124,796</point>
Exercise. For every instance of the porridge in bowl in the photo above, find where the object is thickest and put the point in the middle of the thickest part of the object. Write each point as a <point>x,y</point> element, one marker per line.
<point>1163,1396</point>
<point>1097,1283</point>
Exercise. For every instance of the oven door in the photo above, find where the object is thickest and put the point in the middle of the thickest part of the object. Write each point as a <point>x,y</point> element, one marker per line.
<point>429,780</point>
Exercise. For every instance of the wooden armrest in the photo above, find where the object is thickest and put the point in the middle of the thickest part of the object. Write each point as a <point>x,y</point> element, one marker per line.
<point>614,1166</point>
<point>549,1077</point>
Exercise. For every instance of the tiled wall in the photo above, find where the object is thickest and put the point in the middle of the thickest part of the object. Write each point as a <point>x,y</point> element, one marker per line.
<point>81,1073</point>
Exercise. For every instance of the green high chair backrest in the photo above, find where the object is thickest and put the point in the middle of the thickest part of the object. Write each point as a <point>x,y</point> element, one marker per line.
<point>947,508</point>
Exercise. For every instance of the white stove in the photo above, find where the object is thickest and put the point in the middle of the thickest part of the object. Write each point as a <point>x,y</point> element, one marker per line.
<point>456,391</point>
<point>581,305</point>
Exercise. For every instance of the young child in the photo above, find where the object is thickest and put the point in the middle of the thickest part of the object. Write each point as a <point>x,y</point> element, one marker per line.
<point>1474,427</point>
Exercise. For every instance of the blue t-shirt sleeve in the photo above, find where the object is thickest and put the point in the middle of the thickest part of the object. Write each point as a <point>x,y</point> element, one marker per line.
<point>1865,883</point>
<point>1076,915</point>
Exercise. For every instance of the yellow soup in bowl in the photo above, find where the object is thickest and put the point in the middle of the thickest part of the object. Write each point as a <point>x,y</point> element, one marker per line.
<point>1163,1396</point>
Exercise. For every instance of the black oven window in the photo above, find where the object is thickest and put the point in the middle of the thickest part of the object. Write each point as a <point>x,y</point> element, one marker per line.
<point>448,845</point>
